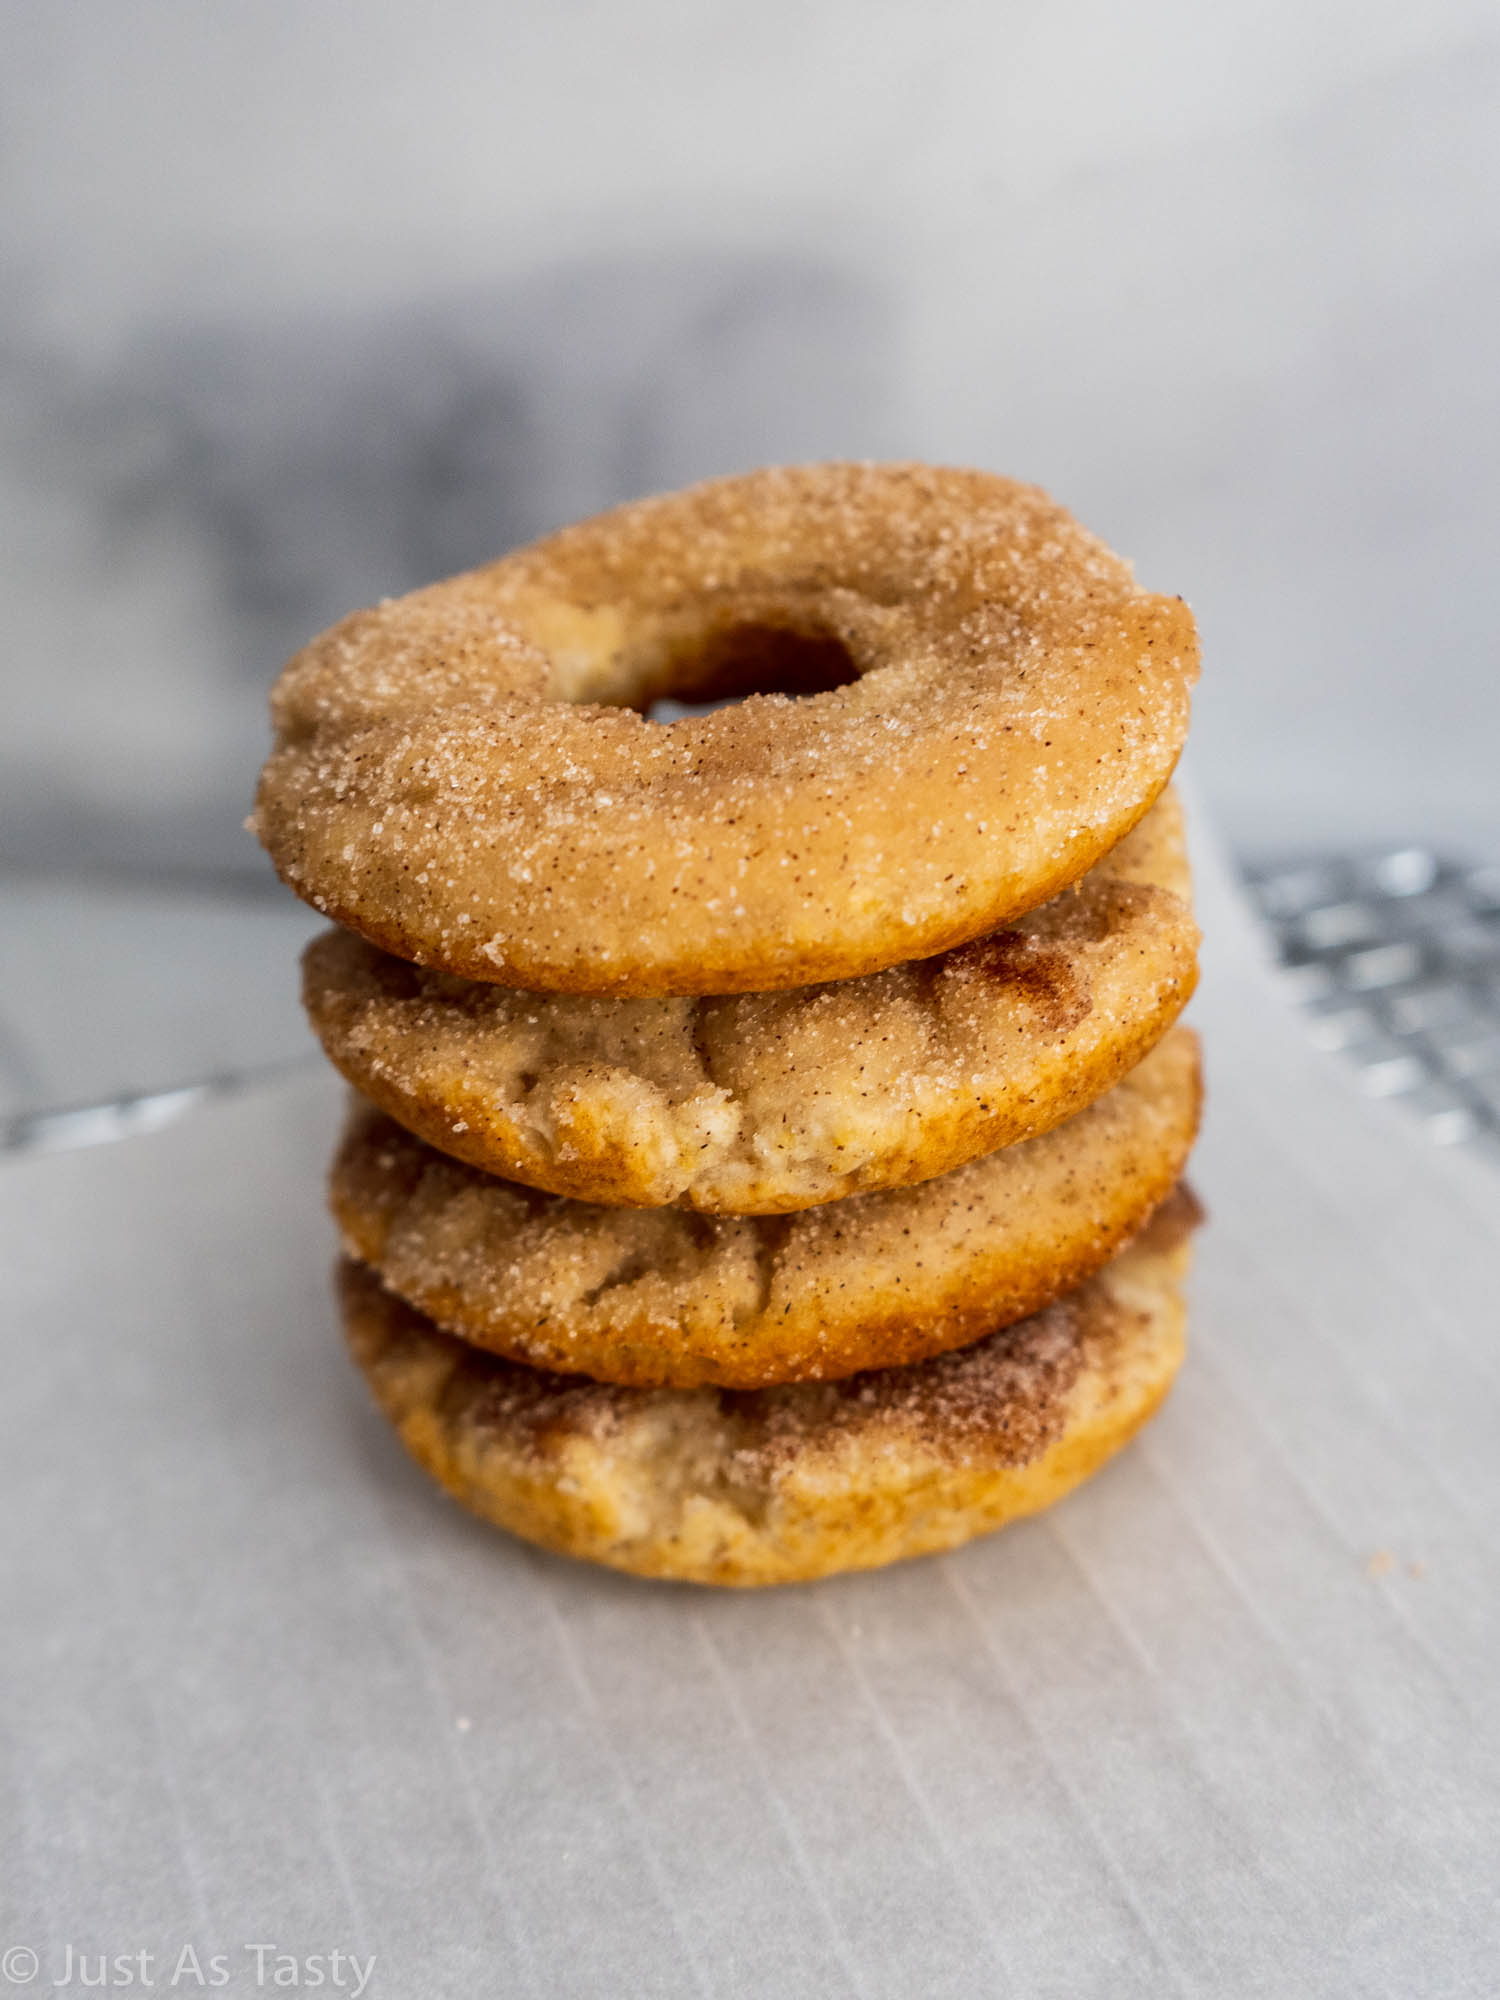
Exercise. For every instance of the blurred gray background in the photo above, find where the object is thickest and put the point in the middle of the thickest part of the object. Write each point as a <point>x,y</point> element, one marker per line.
<point>304,304</point>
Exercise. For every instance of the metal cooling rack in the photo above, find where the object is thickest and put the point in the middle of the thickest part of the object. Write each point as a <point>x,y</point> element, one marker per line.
<point>1395,958</point>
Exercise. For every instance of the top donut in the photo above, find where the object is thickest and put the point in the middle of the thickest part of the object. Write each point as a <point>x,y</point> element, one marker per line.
<point>467,777</point>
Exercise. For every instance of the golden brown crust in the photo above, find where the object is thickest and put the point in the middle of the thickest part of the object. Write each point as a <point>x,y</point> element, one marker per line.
<point>783,1485</point>
<point>662,1297</point>
<point>462,777</point>
<point>756,1104</point>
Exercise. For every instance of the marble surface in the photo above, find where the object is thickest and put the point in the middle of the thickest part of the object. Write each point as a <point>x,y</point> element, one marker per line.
<point>111,991</point>
<point>304,305</point>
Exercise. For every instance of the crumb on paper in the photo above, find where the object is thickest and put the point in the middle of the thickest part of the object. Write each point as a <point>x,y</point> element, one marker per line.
<point>1383,1562</point>
<point>463,1724</point>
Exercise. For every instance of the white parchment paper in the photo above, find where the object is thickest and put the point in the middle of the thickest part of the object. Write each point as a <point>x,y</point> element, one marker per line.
<point>1222,1724</point>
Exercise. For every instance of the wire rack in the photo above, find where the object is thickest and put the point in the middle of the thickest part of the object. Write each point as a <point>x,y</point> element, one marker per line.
<point>1395,959</point>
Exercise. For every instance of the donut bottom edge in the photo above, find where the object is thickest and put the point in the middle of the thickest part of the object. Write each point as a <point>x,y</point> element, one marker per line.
<point>742,1490</point>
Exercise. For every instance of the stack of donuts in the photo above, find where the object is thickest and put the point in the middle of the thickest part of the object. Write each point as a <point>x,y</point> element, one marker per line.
<point>761,924</point>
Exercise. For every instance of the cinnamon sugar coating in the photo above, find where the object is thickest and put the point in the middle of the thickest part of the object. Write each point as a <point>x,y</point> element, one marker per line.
<point>782,1485</point>
<point>463,777</point>
<point>664,1297</point>
<point>761,1103</point>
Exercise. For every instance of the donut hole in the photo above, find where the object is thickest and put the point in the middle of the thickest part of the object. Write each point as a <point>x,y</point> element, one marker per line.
<point>751,658</point>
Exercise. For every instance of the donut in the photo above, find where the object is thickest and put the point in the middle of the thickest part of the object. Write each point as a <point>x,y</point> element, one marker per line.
<point>754,1104</point>
<point>783,1485</point>
<point>656,1298</point>
<point>467,777</point>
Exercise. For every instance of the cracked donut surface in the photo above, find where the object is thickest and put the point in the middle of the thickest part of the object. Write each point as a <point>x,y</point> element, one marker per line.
<point>664,1297</point>
<point>784,1485</point>
<point>762,1103</point>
